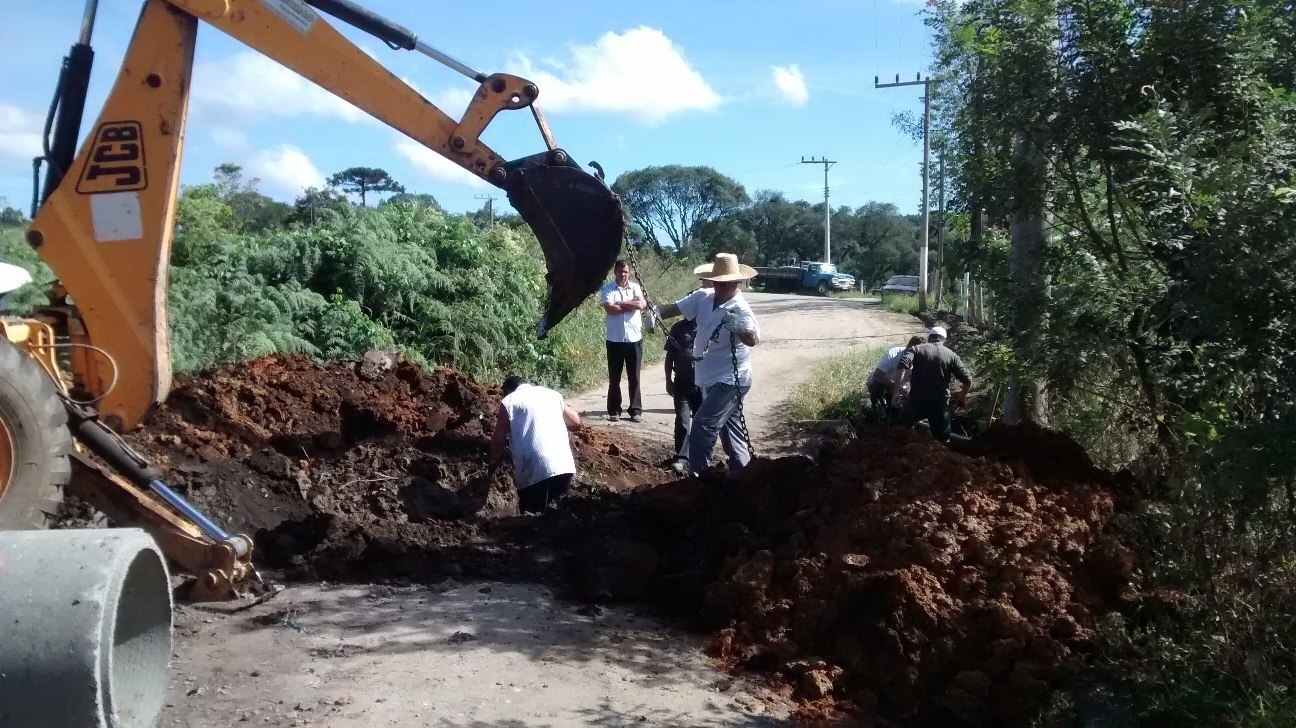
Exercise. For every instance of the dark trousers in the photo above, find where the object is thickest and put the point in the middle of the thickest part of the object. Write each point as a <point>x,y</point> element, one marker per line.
<point>535,498</point>
<point>935,411</point>
<point>879,394</point>
<point>628,356</point>
<point>687,401</point>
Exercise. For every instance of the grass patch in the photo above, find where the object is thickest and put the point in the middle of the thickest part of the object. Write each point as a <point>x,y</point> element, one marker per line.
<point>900,303</point>
<point>836,388</point>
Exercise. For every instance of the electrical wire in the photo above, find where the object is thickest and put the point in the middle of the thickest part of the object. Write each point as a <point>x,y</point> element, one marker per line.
<point>77,345</point>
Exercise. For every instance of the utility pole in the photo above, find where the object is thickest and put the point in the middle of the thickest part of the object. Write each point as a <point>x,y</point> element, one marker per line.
<point>827,208</point>
<point>926,83</point>
<point>940,230</point>
<point>490,208</point>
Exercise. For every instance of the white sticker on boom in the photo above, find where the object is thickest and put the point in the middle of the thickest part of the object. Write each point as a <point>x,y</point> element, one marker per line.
<point>116,216</point>
<point>298,14</point>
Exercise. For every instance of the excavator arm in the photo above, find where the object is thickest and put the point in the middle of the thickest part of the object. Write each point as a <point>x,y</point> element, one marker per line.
<point>106,213</point>
<point>105,227</point>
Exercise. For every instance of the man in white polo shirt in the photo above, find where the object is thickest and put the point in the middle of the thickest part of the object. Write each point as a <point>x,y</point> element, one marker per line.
<point>534,420</point>
<point>726,331</point>
<point>887,379</point>
<point>622,301</point>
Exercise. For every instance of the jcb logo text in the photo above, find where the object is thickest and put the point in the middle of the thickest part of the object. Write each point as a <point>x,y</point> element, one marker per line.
<point>116,159</point>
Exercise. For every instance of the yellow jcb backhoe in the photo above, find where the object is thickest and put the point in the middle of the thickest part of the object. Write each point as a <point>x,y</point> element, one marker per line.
<point>96,360</point>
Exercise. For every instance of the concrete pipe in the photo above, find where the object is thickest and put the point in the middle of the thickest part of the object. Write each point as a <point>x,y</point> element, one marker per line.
<point>85,628</point>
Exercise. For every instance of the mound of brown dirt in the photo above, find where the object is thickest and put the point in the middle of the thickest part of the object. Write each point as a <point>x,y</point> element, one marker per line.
<point>908,581</point>
<point>917,583</point>
<point>1036,452</point>
<point>353,468</point>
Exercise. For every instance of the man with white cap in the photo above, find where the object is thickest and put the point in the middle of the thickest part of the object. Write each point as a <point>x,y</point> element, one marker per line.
<point>726,331</point>
<point>933,365</point>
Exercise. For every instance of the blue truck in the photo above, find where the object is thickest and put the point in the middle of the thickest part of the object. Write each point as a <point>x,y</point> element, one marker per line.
<point>807,276</point>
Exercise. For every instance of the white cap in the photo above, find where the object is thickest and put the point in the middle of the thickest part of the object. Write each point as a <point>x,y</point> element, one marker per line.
<point>937,331</point>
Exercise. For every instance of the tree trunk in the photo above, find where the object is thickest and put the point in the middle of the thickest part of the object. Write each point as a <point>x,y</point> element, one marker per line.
<point>1026,305</point>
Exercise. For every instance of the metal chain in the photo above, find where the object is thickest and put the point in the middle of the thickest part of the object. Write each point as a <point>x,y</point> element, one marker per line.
<point>634,268</point>
<point>742,415</point>
<point>733,358</point>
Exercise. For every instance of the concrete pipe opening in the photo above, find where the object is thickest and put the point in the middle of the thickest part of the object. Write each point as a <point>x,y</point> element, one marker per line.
<point>87,617</point>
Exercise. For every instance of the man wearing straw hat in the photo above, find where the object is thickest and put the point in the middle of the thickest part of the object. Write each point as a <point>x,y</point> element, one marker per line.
<point>726,330</point>
<point>681,385</point>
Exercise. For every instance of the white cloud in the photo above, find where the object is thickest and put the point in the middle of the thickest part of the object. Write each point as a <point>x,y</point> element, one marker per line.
<point>432,166</point>
<point>20,133</point>
<point>248,86</point>
<point>286,169</point>
<point>791,85</point>
<point>453,101</point>
<point>640,73</point>
<point>229,138</point>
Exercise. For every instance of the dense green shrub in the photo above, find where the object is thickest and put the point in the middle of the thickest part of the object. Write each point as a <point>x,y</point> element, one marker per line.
<point>405,276</point>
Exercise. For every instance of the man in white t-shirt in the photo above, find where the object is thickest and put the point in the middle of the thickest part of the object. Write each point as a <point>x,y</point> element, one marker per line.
<point>887,378</point>
<point>622,301</point>
<point>534,420</point>
<point>726,331</point>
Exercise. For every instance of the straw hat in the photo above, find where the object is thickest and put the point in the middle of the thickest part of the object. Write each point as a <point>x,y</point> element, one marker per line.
<point>724,269</point>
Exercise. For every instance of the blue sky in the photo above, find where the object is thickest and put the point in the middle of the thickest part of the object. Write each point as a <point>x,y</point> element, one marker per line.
<point>746,87</point>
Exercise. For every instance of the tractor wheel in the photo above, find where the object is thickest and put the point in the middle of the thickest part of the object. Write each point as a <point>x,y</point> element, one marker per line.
<point>34,442</point>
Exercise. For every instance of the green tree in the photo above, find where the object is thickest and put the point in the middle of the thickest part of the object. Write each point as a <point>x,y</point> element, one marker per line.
<point>675,201</point>
<point>876,242</point>
<point>10,215</point>
<point>316,203</point>
<point>363,180</point>
<point>407,198</point>
<point>251,210</point>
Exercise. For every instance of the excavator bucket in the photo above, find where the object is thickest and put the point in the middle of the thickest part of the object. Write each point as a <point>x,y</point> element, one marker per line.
<point>578,222</point>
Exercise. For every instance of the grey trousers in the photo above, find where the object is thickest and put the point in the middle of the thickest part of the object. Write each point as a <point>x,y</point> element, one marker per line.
<point>717,418</point>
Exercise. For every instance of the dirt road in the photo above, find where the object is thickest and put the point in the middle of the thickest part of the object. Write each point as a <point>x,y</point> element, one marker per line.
<point>491,654</point>
<point>796,331</point>
<point>461,655</point>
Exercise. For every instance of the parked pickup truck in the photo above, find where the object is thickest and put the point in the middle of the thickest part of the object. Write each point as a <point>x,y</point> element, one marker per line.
<point>808,276</point>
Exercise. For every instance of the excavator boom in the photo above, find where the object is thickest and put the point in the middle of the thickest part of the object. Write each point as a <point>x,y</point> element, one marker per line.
<point>106,214</point>
<point>105,227</point>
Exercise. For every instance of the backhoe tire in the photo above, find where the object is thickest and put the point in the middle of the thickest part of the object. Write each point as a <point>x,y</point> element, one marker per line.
<point>35,425</point>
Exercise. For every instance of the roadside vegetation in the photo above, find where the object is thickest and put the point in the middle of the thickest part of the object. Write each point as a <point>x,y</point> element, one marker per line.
<point>900,303</point>
<point>835,388</point>
<point>1149,316</point>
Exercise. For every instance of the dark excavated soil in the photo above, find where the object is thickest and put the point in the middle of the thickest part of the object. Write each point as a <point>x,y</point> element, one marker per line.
<point>352,469</point>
